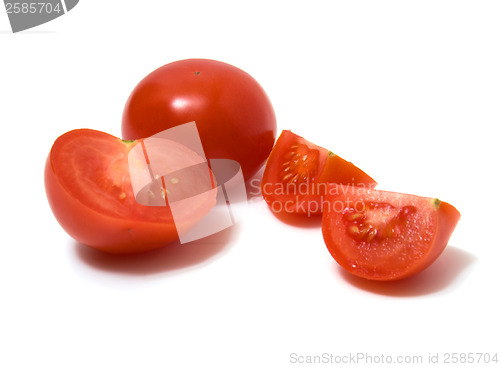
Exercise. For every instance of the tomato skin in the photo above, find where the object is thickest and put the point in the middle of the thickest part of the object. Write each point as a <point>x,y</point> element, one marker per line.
<point>233,114</point>
<point>306,197</point>
<point>422,237</point>
<point>101,232</point>
<point>119,228</point>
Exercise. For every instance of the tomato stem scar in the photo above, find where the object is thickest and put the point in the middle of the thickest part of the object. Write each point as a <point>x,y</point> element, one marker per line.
<point>435,203</point>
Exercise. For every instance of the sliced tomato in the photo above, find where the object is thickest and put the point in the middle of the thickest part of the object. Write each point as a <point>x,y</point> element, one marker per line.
<point>383,235</point>
<point>89,187</point>
<point>297,172</point>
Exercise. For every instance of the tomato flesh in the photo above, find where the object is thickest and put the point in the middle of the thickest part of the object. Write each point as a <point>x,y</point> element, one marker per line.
<point>89,189</point>
<point>383,235</point>
<point>297,172</point>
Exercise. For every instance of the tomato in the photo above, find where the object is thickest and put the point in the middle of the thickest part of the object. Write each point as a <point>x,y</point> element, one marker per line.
<point>383,235</point>
<point>297,172</point>
<point>90,189</point>
<point>233,114</point>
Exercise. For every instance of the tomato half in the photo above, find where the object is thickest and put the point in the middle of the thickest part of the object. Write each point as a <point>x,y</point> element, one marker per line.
<point>89,187</point>
<point>233,114</point>
<point>297,172</point>
<point>383,235</point>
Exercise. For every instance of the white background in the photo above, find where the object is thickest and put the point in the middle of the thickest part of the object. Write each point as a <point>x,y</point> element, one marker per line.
<point>407,90</point>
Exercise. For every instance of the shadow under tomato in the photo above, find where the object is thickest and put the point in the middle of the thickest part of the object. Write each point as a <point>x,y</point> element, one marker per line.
<point>299,220</point>
<point>444,274</point>
<point>252,186</point>
<point>172,257</point>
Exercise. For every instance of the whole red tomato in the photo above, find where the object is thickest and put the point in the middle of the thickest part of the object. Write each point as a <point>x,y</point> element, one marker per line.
<point>233,114</point>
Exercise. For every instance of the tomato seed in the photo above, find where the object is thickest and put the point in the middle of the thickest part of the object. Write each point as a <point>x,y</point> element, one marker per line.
<point>353,230</point>
<point>371,234</point>
<point>354,217</point>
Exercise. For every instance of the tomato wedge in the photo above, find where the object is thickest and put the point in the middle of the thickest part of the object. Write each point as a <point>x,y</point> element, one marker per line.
<point>383,235</point>
<point>90,190</point>
<point>297,172</point>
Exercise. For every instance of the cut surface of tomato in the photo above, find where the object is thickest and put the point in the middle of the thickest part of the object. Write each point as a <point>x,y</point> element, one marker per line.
<point>383,235</point>
<point>297,172</point>
<point>89,189</point>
